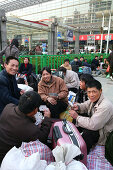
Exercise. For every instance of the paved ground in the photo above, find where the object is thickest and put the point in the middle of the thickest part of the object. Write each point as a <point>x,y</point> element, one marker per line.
<point>107,86</point>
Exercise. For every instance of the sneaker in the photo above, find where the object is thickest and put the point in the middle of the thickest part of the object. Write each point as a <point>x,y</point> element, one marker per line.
<point>108,76</point>
<point>111,77</point>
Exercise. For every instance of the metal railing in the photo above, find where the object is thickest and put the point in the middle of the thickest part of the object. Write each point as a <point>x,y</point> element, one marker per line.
<point>54,61</point>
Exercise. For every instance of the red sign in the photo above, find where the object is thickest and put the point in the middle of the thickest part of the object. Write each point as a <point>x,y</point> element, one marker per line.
<point>97,37</point>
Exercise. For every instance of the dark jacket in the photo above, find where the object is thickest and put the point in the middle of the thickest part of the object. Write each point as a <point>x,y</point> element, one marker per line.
<point>25,70</point>
<point>95,62</point>
<point>9,92</point>
<point>73,62</point>
<point>80,63</point>
<point>14,51</point>
<point>110,59</point>
<point>81,96</point>
<point>16,127</point>
<point>86,64</point>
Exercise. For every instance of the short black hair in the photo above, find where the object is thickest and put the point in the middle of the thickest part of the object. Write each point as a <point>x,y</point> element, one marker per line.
<point>66,60</point>
<point>63,69</point>
<point>27,58</point>
<point>29,101</point>
<point>76,58</point>
<point>7,60</point>
<point>15,42</point>
<point>96,56</point>
<point>48,69</point>
<point>94,83</point>
<point>86,78</point>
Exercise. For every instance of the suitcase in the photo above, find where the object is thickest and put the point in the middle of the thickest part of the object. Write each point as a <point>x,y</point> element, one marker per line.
<point>66,132</point>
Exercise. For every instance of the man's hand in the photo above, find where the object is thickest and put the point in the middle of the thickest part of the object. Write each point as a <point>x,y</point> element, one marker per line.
<point>22,92</point>
<point>73,114</point>
<point>75,107</point>
<point>47,113</point>
<point>52,100</point>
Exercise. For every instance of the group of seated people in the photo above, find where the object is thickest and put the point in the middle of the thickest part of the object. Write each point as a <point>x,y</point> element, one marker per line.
<point>95,63</point>
<point>99,66</point>
<point>92,111</point>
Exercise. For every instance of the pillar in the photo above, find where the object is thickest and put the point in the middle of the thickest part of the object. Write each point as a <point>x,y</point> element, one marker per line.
<point>3,32</point>
<point>52,39</point>
<point>77,42</point>
<point>30,42</point>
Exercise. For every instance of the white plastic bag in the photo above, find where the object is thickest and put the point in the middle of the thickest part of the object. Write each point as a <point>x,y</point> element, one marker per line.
<point>15,160</point>
<point>64,155</point>
<point>56,166</point>
<point>76,165</point>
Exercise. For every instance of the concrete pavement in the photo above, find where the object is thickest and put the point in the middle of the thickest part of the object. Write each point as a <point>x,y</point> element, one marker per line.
<point>107,86</point>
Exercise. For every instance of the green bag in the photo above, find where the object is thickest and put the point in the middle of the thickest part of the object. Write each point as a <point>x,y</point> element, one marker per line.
<point>109,148</point>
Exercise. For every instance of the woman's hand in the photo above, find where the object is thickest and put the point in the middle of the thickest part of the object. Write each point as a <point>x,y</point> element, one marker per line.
<point>52,100</point>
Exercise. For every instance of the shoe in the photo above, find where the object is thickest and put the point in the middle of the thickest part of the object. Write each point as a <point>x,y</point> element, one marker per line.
<point>108,76</point>
<point>111,77</point>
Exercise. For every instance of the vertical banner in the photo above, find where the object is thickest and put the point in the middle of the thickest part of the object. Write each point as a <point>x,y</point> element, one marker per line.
<point>69,35</point>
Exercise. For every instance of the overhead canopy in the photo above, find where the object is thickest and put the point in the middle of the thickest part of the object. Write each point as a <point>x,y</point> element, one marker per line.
<point>11,5</point>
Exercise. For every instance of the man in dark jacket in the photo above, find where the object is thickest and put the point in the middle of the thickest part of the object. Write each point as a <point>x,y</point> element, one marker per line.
<point>94,63</point>
<point>81,95</point>
<point>9,92</point>
<point>17,123</point>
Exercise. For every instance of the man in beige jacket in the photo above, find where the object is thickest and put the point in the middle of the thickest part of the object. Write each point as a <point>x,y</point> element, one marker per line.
<point>98,123</point>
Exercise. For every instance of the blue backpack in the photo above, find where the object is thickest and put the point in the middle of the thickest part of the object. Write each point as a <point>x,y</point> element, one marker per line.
<point>86,70</point>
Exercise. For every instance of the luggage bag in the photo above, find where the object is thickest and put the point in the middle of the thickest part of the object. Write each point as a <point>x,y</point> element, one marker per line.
<point>66,132</point>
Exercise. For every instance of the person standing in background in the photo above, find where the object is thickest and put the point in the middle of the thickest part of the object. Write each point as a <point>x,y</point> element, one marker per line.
<point>11,50</point>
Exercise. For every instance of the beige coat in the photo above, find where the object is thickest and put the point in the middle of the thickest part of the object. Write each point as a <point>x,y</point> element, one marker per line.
<point>67,67</point>
<point>57,86</point>
<point>101,119</point>
<point>71,79</point>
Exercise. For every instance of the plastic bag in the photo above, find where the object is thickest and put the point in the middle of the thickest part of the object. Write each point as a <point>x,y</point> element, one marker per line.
<point>64,155</point>
<point>56,166</point>
<point>71,100</point>
<point>37,146</point>
<point>15,160</point>
<point>66,115</point>
<point>76,165</point>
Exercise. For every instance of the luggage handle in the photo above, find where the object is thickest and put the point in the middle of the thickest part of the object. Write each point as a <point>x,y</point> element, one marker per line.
<point>65,128</point>
<point>56,133</point>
